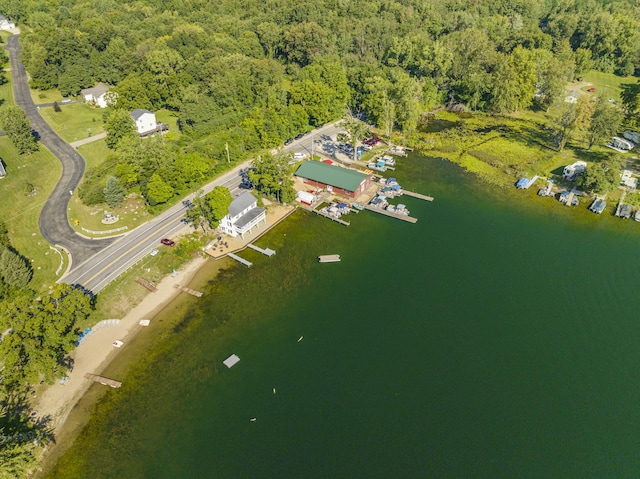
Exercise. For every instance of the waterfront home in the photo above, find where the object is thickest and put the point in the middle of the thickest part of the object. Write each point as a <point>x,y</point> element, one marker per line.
<point>335,179</point>
<point>624,211</point>
<point>571,172</point>
<point>243,214</point>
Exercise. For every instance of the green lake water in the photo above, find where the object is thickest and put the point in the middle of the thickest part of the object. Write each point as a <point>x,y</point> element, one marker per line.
<point>497,337</point>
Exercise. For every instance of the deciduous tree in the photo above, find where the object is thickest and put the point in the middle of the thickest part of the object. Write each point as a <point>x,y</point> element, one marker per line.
<point>16,125</point>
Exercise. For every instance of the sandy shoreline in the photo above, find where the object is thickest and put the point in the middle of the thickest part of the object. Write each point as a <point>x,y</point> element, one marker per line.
<point>96,351</point>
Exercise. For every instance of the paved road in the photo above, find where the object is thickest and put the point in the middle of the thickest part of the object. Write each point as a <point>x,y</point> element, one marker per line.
<point>108,264</point>
<point>53,221</point>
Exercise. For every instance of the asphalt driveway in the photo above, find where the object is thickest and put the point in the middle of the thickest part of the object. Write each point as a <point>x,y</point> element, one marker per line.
<point>54,224</point>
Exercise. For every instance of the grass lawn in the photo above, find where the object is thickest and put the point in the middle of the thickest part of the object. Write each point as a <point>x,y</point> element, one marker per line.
<point>169,118</point>
<point>74,122</point>
<point>6,92</point>
<point>46,96</point>
<point>502,149</point>
<point>42,170</point>
<point>131,213</point>
<point>607,85</point>
<point>94,153</point>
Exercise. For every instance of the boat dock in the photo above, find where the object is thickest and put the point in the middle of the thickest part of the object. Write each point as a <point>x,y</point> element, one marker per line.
<point>102,380</point>
<point>337,220</point>
<point>248,264</point>
<point>621,202</point>
<point>398,216</point>
<point>190,291</point>
<point>328,258</point>
<point>417,195</point>
<point>267,252</point>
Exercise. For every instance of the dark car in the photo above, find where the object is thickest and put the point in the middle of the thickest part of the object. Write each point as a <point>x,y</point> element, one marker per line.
<point>289,141</point>
<point>168,242</point>
<point>299,136</point>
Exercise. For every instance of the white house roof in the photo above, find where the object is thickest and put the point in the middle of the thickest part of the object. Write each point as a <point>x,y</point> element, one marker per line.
<point>247,218</point>
<point>3,172</point>
<point>138,112</point>
<point>96,91</point>
<point>241,203</point>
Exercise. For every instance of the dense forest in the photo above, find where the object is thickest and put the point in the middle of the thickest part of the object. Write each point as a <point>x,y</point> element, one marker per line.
<point>253,74</point>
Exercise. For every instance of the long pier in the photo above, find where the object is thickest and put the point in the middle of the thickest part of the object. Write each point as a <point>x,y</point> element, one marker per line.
<point>417,195</point>
<point>398,216</point>
<point>267,252</point>
<point>248,264</point>
<point>102,380</point>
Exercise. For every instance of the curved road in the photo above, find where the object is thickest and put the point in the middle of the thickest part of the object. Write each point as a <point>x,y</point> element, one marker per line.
<point>53,222</point>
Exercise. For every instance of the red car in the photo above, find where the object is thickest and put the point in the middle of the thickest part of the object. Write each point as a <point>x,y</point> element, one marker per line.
<point>591,90</point>
<point>168,242</point>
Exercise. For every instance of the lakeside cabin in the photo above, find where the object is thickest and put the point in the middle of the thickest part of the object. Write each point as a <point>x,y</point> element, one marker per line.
<point>335,179</point>
<point>598,206</point>
<point>96,95</point>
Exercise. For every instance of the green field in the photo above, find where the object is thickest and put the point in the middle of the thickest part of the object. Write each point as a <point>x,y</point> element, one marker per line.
<point>42,170</point>
<point>74,122</point>
<point>607,85</point>
<point>46,96</point>
<point>94,153</point>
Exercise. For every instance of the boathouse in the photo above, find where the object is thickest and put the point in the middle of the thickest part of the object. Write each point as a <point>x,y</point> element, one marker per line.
<point>334,179</point>
<point>243,215</point>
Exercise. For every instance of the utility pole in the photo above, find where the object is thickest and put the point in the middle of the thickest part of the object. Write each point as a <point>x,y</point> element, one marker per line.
<point>226,147</point>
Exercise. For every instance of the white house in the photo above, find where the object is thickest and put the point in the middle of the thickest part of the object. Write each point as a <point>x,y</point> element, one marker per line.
<point>627,179</point>
<point>3,172</point>
<point>145,121</point>
<point>243,215</point>
<point>6,24</point>
<point>571,172</point>
<point>96,95</point>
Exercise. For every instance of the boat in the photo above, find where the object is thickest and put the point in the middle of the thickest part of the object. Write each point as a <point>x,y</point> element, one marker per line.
<point>357,206</point>
<point>253,419</point>
<point>300,338</point>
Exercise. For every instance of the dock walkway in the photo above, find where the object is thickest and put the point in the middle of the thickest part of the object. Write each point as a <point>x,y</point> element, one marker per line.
<point>417,195</point>
<point>190,291</point>
<point>102,380</point>
<point>337,220</point>
<point>267,252</point>
<point>621,202</point>
<point>248,264</point>
<point>398,216</point>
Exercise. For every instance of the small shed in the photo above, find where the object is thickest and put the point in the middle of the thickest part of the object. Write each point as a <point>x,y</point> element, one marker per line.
<point>3,172</point>
<point>305,197</point>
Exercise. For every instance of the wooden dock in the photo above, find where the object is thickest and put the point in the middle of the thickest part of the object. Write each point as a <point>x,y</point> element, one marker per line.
<point>102,380</point>
<point>417,195</point>
<point>248,264</point>
<point>398,216</point>
<point>329,258</point>
<point>267,252</point>
<point>190,291</point>
<point>337,220</point>
<point>150,286</point>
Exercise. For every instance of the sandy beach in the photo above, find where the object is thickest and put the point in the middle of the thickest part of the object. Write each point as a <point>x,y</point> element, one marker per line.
<point>97,350</point>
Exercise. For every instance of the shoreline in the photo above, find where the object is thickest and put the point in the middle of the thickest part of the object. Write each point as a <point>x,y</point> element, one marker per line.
<point>97,353</point>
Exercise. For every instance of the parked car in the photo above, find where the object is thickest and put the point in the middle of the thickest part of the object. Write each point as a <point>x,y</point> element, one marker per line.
<point>591,90</point>
<point>168,242</point>
<point>289,141</point>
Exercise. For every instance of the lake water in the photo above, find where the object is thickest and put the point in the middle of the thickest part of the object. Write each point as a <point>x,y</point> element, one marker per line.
<point>497,337</point>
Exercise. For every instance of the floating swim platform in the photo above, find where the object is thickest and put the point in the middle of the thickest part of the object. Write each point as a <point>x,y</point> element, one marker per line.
<point>329,258</point>
<point>231,361</point>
